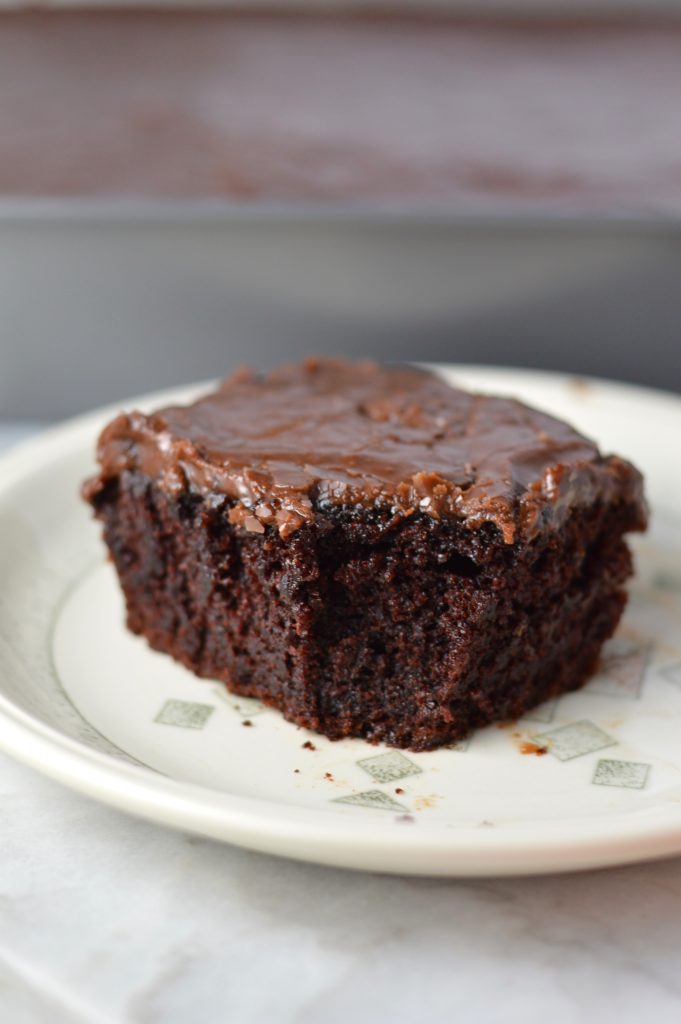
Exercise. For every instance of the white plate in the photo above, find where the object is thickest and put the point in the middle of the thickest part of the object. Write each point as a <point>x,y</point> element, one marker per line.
<point>92,706</point>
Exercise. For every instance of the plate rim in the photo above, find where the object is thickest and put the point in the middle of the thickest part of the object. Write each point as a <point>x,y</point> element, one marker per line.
<point>317,834</point>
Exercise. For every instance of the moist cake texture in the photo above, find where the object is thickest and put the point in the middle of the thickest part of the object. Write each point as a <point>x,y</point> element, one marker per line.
<point>367,549</point>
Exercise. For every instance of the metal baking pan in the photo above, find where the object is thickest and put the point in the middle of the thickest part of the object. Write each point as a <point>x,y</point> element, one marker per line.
<point>101,299</point>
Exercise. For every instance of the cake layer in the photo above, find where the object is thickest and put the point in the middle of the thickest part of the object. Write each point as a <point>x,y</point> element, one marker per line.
<point>367,549</point>
<point>412,633</point>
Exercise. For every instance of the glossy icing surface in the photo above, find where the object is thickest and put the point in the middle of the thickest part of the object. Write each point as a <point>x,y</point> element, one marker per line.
<point>285,445</point>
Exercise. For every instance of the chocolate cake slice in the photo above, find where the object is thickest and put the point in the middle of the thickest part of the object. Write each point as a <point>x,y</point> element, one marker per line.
<point>367,549</point>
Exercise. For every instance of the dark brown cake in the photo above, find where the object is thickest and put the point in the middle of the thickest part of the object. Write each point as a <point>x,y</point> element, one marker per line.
<point>367,549</point>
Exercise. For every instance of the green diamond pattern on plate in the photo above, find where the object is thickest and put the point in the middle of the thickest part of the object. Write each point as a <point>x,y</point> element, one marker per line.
<point>389,767</point>
<point>672,673</point>
<point>575,740</point>
<point>371,798</point>
<point>184,714</point>
<point>667,581</point>
<point>622,671</point>
<point>247,707</point>
<point>625,774</point>
<point>544,713</point>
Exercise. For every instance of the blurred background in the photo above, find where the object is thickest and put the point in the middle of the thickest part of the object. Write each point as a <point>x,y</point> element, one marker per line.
<point>185,189</point>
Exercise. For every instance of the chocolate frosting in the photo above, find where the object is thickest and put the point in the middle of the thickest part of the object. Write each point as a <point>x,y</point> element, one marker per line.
<point>285,445</point>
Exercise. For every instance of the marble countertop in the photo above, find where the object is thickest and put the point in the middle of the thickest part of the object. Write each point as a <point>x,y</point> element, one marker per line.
<point>104,918</point>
